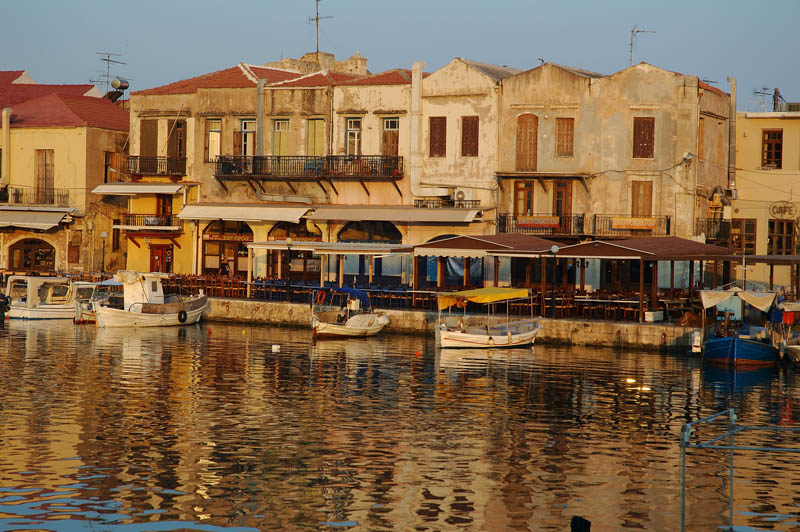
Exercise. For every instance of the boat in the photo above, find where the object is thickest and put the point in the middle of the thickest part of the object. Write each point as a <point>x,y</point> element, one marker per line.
<point>33,297</point>
<point>484,331</point>
<point>747,345</point>
<point>344,313</point>
<point>145,305</point>
<point>88,295</point>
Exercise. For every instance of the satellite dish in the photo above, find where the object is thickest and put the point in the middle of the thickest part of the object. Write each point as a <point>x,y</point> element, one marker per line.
<point>120,83</point>
<point>553,249</point>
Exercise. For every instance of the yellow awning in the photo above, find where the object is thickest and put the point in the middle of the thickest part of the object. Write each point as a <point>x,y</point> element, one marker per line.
<point>481,295</point>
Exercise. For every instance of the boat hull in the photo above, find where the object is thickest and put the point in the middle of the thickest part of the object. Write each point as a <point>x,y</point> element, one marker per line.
<point>359,326</point>
<point>111,317</point>
<point>449,338</point>
<point>42,312</point>
<point>733,351</point>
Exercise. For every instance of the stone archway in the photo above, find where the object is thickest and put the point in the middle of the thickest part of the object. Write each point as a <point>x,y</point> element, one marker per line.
<point>32,254</point>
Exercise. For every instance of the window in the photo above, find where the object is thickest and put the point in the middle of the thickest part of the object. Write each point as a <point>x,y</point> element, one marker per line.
<point>111,173</point>
<point>643,137</point>
<point>353,136</point>
<point>315,144</point>
<point>391,136</point>
<point>565,131</point>
<point>469,136</point>
<point>523,198</point>
<point>743,236</point>
<point>438,136</point>
<point>44,177</point>
<point>176,143</point>
<point>213,138</point>
<point>641,198</point>
<point>115,236</point>
<point>245,141</point>
<point>772,148</point>
<point>280,137</point>
<point>781,237</point>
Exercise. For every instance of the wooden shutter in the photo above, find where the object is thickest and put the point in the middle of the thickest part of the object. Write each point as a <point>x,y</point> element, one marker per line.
<point>237,142</point>
<point>641,198</point>
<point>206,137</point>
<point>527,135</point>
<point>643,137</point>
<point>438,136</point>
<point>148,138</point>
<point>565,133</point>
<point>469,136</point>
<point>390,141</point>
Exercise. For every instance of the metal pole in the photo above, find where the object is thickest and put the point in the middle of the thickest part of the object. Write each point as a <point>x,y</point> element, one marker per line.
<point>730,477</point>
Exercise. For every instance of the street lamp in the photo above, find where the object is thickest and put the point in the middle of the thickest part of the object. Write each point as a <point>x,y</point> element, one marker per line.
<point>553,251</point>
<point>289,268</point>
<point>103,235</point>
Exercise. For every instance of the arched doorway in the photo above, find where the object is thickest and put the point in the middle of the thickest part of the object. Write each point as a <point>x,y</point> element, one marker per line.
<point>226,239</point>
<point>385,271</point>
<point>32,254</point>
<point>304,265</point>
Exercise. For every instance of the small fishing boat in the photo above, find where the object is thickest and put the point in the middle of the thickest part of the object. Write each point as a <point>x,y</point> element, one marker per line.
<point>89,295</point>
<point>145,305</point>
<point>40,298</point>
<point>344,313</point>
<point>748,345</point>
<point>484,331</point>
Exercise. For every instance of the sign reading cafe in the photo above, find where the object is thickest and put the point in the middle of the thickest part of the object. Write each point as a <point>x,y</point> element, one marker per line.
<point>782,209</point>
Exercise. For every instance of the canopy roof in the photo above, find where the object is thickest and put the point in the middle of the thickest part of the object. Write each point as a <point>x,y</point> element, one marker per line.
<point>30,219</point>
<point>481,295</point>
<point>392,213</point>
<point>507,244</point>
<point>760,300</point>
<point>651,248</point>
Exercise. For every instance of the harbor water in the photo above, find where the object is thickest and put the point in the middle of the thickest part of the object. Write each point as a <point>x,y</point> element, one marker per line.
<point>227,427</point>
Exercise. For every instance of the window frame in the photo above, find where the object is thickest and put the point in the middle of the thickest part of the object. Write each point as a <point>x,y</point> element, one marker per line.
<point>742,240</point>
<point>393,123</point>
<point>644,126</point>
<point>470,135</point>
<point>437,136</point>
<point>780,242</point>
<point>248,137</point>
<point>352,135</point>
<point>279,134</point>
<point>213,133</point>
<point>565,137</point>
<point>524,194</point>
<point>771,149</point>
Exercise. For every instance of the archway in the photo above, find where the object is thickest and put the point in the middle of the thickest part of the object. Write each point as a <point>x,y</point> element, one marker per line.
<point>32,254</point>
<point>226,239</point>
<point>385,271</point>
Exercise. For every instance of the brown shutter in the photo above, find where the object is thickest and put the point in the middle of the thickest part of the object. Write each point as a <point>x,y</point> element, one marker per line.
<point>643,137</point>
<point>469,136</point>
<point>390,142</point>
<point>205,149</point>
<point>40,169</point>
<point>641,198</point>
<point>527,136</point>
<point>237,142</point>
<point>565,130</point>
<point>438,136</point>
<point>148,136</point>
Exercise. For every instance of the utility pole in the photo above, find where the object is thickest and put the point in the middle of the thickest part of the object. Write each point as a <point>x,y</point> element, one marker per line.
<point>634,31</point>
<point>316,20</point>
<point>106,57</point>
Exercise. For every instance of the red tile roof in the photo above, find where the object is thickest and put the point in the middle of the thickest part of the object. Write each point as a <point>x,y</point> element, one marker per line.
<point>7,77</point>
<point>706,86</point>
<point>239,77</point>
<point>55,110</point>
<point>397,76</point>
<point>318,79</point>
<point>13,94</point>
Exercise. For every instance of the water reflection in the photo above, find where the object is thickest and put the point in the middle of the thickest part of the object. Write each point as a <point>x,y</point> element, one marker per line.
<point>209,427</point>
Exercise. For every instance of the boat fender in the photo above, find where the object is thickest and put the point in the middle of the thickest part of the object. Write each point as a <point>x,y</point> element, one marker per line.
<point>371,321</point>
<point>182,316</point>
<point>320,297</point>
<point>490,341</point>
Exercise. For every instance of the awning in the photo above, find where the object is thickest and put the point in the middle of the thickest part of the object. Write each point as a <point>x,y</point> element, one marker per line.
<point>30,220</point>
<point>396,214</point>
<point>132,189</point>
<point>481,295</point>
<point>244,213</point>
<point>334,248</point>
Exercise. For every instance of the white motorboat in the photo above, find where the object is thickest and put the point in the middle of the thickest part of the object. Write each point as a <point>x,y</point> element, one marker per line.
<point>40,298</point>
<point>484,331</point>
<point>145,305</point>
<point>353,318</point>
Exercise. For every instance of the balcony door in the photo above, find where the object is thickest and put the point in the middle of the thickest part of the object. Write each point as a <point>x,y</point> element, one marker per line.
<point>523,198</point>
<point>176,146</point>
<point>161,258</point>
<point>641,199</point>
<point>562,205</point>
<point>148,138</point>
<point>44,177</point>
<point>527,135</point>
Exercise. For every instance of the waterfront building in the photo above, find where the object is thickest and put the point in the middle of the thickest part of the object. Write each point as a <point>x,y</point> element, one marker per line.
<point>57,143</point>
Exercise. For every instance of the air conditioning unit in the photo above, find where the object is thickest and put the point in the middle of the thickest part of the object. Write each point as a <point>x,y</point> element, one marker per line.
<point>463,194</point>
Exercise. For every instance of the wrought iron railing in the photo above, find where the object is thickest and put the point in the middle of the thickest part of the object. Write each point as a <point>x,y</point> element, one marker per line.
<point>59,197</point>
<point>445,203</point>
<point>541,224</point>
<point>627,226</point>
<point>329,166</point>
<point>717,231</point>
<point>170,166</point>
<point>150,220</point>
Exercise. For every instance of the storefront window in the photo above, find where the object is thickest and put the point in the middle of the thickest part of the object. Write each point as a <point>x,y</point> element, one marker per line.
<point>225,248</point>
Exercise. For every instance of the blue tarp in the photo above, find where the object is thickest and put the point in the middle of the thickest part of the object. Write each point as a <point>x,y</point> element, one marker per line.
<point>351,292</point>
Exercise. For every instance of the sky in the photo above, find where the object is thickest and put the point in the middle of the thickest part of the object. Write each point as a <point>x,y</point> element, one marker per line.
<point>162,41</point>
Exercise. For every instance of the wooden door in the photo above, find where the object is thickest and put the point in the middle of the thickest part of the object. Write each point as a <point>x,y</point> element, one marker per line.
<point>641,198</point>
<point>523,198</point>
<point>176,147</point>
<point>45,177</point>
<point>527,135</point>
<point>316,137</point>
<point>148,138</point>
<point>161,258</point>
<point>164,205</point>
<point>562,205</point>
<point>391,136</point>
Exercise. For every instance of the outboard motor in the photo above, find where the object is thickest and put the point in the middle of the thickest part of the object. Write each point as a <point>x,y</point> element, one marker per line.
<point>4,306</point>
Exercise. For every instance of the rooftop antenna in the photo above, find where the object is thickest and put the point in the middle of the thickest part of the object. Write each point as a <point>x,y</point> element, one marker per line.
<point>763,92</point>
<point>316,20</point>
<point>107,58</point>
<point>634,31</point>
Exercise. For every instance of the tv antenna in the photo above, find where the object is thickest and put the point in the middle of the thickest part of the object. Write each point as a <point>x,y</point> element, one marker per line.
<point>634,31</point>
<point>107,58</point>
<point>763,92</point>
<point>316,20</point>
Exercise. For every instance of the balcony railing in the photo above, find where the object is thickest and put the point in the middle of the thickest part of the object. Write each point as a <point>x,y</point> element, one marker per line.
<point>541,224</point>
<point>167,166</point>
<point>150,220</point>
<point>301,166</point>
<point>627,226</point>
<point>444,203</point>
<point>717,231</point>
<point>58,197</point>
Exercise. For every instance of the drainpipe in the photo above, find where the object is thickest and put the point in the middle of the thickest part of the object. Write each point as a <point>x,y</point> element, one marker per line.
<point>260,117</point>
<point>732,139</point>
<point>415,144</point>
<point>5,170</point>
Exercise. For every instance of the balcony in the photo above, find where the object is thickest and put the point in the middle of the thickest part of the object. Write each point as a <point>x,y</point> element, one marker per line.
<point>150,221</point>
<point>57,197</point>
<point>444,203</point>
<point>156,166</point>
<point>301,167</point>
<point>717,231</point>
<point>627,226</point>
<point>541,224</point>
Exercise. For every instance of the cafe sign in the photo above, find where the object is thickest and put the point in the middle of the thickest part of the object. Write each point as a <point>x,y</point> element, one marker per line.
<point>542,222</point>
<point>782,209</point>
<point>620,222</point>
